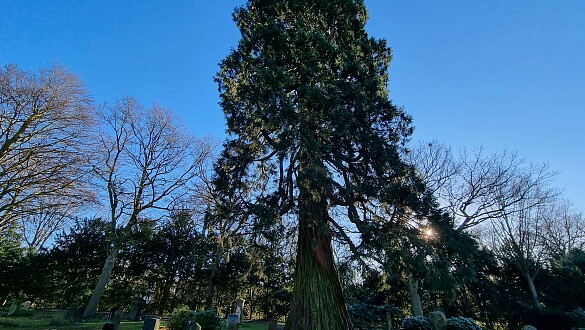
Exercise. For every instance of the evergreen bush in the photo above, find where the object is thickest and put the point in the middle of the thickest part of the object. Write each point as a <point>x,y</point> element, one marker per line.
<point>462,323</point>
<point>416,323</point>
<point>181,316</point>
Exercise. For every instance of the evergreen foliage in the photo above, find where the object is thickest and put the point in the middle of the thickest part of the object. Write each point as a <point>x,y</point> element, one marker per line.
<point>416,323</point>
<point>462,323</point>
<point>312,129</point>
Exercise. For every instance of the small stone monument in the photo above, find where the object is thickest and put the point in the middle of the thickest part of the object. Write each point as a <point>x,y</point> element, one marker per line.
<point>26,305</point>
<point>136,311</point>
<point>232,319</point>
<point>71,311</point>
<point>240,309</point>
<point>13,308</point>
<point>233,326</point>
<point>438,320</point>
<point>58,319</point>
<point>151,323</point>
<point>117,318</point>
<point>78,316</point>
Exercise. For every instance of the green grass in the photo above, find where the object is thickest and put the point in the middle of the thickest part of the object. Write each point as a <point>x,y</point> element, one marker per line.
<point>39,320</point>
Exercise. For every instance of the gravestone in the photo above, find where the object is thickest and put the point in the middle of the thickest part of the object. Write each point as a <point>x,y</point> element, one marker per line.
<point>78,316</point>
<point>112,312</point>
<point>136,311</point>
<point>13,308</point>
<point>71,311</point>
<point>529,327</point>
<point>233,326</point>
<point>151,323</point>
<point>117,318</point>
<point>232,319</point>
<point>58,319</point>
<point>240,309</point>
<point>26,305</point>
<point>272,324</point>
<point>438,320</point>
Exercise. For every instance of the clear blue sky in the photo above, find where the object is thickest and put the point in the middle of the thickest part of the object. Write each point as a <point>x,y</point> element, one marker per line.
<point>502,74</point>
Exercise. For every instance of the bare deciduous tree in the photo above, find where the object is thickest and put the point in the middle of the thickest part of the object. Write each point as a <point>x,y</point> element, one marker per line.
<point>563,229</point>
<point>44,121</point>
<point>145,164</point>
<point>518,236</point>
<point>46,217</point>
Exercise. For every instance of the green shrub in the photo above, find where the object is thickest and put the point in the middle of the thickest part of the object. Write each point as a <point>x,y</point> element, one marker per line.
<point>367,316</point>
<point>208,320</point>
<point>181,316</point>
<point>416,323</point>
<point>462,323</point>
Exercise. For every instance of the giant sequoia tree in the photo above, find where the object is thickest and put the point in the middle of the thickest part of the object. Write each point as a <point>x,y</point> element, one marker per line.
<point>313,132</point>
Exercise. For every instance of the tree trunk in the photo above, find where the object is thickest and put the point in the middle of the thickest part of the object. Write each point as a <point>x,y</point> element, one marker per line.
<point>533,293</point>
<point>318,302</point>
<point>415,302</point>
<point>91,308</point>
<point>214,272</point>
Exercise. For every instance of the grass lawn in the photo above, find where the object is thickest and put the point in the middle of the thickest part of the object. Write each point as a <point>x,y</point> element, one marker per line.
<point>40,319</point>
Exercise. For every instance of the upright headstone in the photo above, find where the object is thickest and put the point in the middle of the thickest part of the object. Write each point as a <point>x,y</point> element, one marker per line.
<point>71,311</point>
<point>14,307</point>
<point>438,320</point>
<point>529,327</point>
<point>240,308</point>
<point>151,323</point>
<point>136,311</point>
<point>272,324</point>
<point>117,318</point>
<point>232,319</point>
<point>58,319</point>
<point>26,305</point>
<point>78,316</point>
<point>112,312</point>
<point>233,326</point>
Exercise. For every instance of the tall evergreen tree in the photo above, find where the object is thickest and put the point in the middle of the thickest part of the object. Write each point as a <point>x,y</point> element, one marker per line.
<point>313,130</point>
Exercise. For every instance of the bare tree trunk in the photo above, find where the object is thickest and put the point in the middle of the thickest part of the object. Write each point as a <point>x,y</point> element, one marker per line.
<point>91,308</point>
<point>415,302</point>
<point>214,272</point>
<point>533,293</point>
